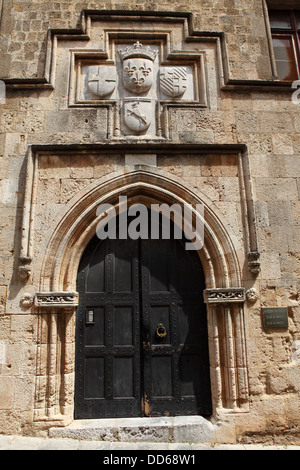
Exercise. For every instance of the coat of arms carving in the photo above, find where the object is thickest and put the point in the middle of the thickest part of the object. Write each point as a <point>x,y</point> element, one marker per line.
<point>173,81</point>
<point>102,80</point>
<point>138,65</point>
<point>138,81</point>
<point>137,114</point>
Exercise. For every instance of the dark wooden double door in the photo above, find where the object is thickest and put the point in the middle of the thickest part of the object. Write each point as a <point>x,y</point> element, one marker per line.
<point>141,332</point>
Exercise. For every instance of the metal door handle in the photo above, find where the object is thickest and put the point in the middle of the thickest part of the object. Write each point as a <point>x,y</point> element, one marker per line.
<point>161,331</point>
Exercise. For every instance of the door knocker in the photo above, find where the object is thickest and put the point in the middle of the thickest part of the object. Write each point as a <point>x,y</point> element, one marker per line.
<point>161,331</point>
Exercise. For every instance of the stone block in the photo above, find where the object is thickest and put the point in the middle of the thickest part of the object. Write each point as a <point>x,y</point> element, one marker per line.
<point>246,122</point>
<point>276,414</point>
<point>276,123</point>
<point>282,144</point>
<point>138,430</point>
<point>292,406</point>
<point>24,393</point>
<point>3,297</point>
<point>279,189</point>
<point>257,381</point>
<point>278,381</point>
<point>194,429</point>
<point>184,429</point>
<point>270,265</point>
<point>70,187</point>
<point>280,213</point>
<point>6,393</point>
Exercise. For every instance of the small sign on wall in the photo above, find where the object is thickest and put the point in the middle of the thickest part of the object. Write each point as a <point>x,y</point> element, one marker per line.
<point>276,317</point>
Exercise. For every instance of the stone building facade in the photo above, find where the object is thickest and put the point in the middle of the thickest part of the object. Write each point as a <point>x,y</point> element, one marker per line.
<point>164,104</point>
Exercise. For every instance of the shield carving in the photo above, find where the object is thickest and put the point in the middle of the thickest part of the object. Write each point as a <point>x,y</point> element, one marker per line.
<point>137,74</point>
<point>137,114</point>
<point>102,80</point>
<point>173,81</point>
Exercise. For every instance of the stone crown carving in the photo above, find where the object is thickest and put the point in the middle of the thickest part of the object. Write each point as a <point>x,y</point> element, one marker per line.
<point>138,50</point>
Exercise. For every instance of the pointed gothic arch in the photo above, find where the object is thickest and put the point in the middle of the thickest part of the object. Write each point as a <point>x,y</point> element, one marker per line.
<point>221,254</point>
<point>221,258</point>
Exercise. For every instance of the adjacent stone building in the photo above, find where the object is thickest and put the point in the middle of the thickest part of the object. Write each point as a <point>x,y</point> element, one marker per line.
<point>194,104</point>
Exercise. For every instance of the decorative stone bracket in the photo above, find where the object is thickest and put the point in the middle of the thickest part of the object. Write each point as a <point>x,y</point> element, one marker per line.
<point>224,295</point>
<point>56,299</point>
<point>253,262</point>
<point>25,269</point>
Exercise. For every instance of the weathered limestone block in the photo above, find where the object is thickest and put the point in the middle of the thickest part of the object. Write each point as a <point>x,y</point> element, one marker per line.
<point>3,297</point>
<point>7,390</point>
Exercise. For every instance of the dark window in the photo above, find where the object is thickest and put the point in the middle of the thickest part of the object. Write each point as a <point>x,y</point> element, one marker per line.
<point>285,28</point>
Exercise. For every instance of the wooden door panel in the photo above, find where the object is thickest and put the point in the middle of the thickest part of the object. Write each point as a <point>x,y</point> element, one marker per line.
<point>123,322</point>
<point>94,377</point>
<point>94,331</point>
<point>177,364</point>
<point>108,381</point>
<point>141,332</point>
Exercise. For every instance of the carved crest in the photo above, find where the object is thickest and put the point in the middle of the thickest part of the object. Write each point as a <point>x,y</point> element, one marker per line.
<point>138,75</point>
<point>137,114</point>
<point>137,67</point>
<point>173,81</point>
<point>135,79</point>
<point>102,80</point>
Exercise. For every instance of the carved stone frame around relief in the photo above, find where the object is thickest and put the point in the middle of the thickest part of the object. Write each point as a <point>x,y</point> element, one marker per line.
<point>186,68</point>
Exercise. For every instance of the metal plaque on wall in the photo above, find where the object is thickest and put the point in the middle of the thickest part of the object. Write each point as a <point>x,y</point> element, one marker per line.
<point>276,317</point>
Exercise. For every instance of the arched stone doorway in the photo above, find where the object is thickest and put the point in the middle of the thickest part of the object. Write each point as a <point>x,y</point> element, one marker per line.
<point>141,330</point>
<point>57,301</point>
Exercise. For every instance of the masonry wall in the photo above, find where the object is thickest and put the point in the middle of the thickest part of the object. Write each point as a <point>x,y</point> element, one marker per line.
<point>24,26</point>
<point>246,109</point>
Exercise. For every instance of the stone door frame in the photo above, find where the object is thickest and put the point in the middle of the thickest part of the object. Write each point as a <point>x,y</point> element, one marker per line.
<point>56,299</point>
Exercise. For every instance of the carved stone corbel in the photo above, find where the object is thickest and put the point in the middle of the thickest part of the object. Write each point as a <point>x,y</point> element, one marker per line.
<point>253,262</point>
<point>24,269</point>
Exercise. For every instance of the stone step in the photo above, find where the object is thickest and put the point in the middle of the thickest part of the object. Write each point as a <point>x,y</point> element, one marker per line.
<point>189,429</point>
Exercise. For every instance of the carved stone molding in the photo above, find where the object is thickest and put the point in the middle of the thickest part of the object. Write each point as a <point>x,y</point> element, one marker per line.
<point>224,295</point>
<point>56,299</point>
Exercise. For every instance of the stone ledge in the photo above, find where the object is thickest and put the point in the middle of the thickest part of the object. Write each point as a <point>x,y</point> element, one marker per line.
<point>189,429</point>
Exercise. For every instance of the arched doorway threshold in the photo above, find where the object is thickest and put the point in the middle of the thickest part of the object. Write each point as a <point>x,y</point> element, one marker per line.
<point>221,257</point>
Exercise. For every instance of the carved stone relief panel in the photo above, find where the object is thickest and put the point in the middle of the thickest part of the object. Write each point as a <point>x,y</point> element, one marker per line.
<point>101,80</point>
<point>177,82</point>
<point>137,83</point>
<point>138,67</point>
